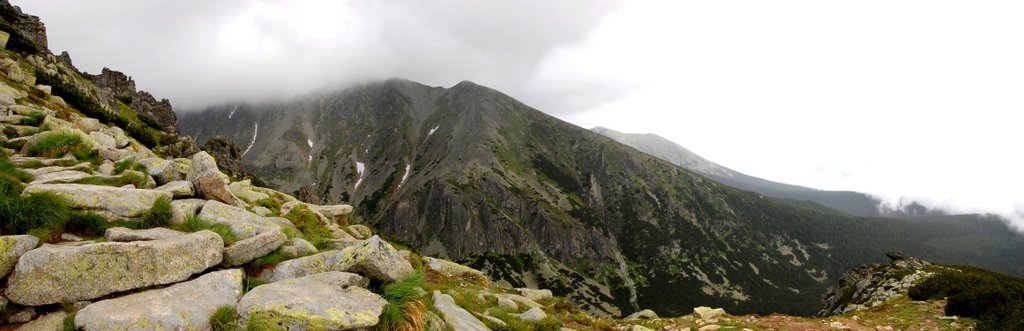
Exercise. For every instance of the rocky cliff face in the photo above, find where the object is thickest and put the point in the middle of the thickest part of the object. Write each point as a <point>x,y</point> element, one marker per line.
<point>26,30</point>
<point>470,174</point>
<point>873,285</point>
<point>119,87</point>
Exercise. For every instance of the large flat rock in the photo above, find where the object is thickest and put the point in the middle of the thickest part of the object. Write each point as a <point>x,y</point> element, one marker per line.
<point>121,202</point>
<point>182,306</point>
<point>325,301</point>
<point>66,274</point>
<point>374,258</point>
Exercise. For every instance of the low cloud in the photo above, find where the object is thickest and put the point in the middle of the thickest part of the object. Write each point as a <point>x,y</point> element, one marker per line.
<point>198,53</point>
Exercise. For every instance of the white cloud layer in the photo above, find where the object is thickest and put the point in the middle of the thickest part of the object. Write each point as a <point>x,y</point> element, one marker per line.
<point>918,99</point>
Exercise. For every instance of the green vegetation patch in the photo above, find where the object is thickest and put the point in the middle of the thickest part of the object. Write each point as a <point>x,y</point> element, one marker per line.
<point>56,145</point>
<point>225,319</point>
<point>996,300</point>
<point>314,231</point>
<point>195,224</point>
<point>404,311</point>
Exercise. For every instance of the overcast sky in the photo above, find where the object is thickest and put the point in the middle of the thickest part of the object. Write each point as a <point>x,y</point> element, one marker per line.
<point>917,99</point>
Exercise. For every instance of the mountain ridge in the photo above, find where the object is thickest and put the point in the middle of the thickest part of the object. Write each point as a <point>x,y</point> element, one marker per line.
<point>531,199</point>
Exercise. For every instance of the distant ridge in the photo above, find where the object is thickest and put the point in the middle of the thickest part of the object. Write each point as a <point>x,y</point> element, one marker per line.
<point>847,201</point>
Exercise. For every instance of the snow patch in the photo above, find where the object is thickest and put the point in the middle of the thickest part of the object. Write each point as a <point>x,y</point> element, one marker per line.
<point>360,167</point>
<point>310,142</point>
<point>433,130</point>
<point>232,112</point>
<point>255,130</point>
<point>408,170</point>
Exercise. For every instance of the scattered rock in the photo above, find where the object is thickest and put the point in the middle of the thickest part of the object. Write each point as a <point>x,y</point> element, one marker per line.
<point>179,188</point>
<point>262,211</point>
<point>532,315</point>
<point>639,328</point>
<point>454,316</point>
<point>252,248</point>
<point>183,306</point>
<point>325,301</point>
<point>360,231</point>
<point>244,223</point>
<point>373,258</point>
<point>70,237</point>
<point>535,294</point>
<point>645,314</point>
<point>452,269</point>
<point>838,326</point>
<point>106,168</point>
<point>104,140</point>
<point>183,209</point>
<point>213,188</point>
<point>433,322</point>
<point>65,274</point>
<point>50,322</point>
<point>63,176</point>
<point>297,247</point>
<point>491,319</point>
<point>21,316</point>
<point>333,211</point>
<point>505,302</point>
<point>162,170</point>
<point>710,327</point>
<point>127,203</point>
<point>120,234</point>
<point>706,313</point>
<point>11,248</point>
<point>244,191</point>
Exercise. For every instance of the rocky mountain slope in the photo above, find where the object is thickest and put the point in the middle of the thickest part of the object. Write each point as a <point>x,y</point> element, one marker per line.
<point>469,174</point>
<point>851,202</point>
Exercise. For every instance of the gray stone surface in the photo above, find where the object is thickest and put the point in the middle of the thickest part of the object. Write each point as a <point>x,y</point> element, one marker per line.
<point>50,322</point>
<point>183,209</point>
<point>645,314</point>
<point>179,188</point>
<point>244,223</point>
<point>532,315</point>
<point>373,258</point>
<point>297,247</point>
<point>121,202</point>
<point>325,301</point>
<point>454,316</point>
<point>120,234</point>
<point>452,269</point>
<point>253,247</point>
<point>183,306</point>
<point>65,274</point>
<point>11,248</point>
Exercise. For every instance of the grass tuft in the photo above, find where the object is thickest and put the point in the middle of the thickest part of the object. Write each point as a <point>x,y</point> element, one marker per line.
<point>55,145</point>
<point>22,214</point>
<point>194,224</point>
<point>224,319</point>
<point>69,322</point>
<point>159,215</point>
<point>404,311</point>
<point>314,231</point>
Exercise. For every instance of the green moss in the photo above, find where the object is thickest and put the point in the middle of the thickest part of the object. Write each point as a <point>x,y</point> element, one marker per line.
<point>33,119</point>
